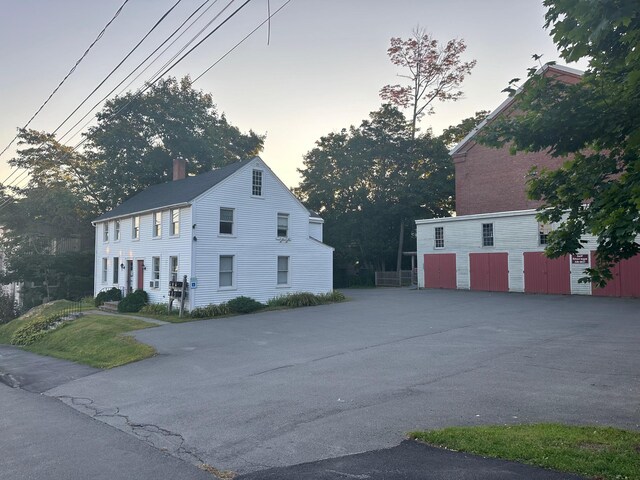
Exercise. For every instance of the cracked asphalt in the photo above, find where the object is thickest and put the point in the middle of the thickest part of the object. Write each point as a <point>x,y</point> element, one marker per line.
<point>281,388</point>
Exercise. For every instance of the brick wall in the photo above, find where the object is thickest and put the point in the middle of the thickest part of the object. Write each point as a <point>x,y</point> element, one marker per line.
<point>492,180</point>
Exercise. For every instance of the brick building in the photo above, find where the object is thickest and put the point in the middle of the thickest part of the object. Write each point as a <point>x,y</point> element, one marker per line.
<point>495,243</point>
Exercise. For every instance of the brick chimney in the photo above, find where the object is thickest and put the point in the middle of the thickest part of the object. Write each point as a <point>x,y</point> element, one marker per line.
<point>179,168</point>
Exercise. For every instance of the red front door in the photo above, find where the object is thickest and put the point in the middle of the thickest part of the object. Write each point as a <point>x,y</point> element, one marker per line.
<point>140,274</point>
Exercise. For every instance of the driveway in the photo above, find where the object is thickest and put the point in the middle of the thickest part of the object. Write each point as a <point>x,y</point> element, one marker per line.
<point>281,388</point>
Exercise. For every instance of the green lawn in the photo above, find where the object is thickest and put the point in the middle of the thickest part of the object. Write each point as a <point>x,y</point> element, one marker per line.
<point>597,452</point>
<point>96,340</point>
<point>41,311</point>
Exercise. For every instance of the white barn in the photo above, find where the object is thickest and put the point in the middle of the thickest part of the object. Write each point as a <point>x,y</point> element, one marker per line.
<point>235,231</point>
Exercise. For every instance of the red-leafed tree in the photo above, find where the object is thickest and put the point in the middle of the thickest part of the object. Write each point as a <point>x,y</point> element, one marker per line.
<point>435,72</point>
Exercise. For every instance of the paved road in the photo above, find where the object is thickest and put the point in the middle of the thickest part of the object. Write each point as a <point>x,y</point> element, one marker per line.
<point>41,438</point>
<point>281,388</point>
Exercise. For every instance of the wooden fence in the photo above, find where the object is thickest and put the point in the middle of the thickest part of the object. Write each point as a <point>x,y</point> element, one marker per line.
<point>390,279</point>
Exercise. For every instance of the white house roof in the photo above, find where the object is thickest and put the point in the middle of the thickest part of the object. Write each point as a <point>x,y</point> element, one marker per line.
<point>508,102</point>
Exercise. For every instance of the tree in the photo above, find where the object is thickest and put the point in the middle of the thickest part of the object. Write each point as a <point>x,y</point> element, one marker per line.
<point>594,124</point>
<point>134,143</point>
<point>369,180</point>
<point>454,134</point>
<point>434,72</point>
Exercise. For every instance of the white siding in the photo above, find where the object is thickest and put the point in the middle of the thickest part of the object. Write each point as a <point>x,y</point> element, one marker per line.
<point>144,249</point>
<point>254,243</point>
<point>514,233</point>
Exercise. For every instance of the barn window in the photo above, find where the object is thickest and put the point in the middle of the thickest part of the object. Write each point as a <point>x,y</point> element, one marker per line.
<point>226,221</point>
<point>544,229</point>
<point>439,237</point>
<point>487,234</point>
<point>283,225</point>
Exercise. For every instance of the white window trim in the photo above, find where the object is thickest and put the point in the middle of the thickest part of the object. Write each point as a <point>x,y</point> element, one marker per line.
<point>154,224</point>
<point>117,230</point>
<point>233,273</point>
<point>261,183</point>
<point>172,233</point>
<point>133,226</point>
<point>233,223</point>
<point>116,270</point>
<point>105,232</point>
<point>493,235</point>
<point>177,272</point>
<point>283,215</point>
<point>105,270</point>
<point>288,284</point>
<point>153,272</point>
<point>435,238</point>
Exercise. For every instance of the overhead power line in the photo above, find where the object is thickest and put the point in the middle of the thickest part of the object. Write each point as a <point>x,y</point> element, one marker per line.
<point>149,85</point>
<point>73,69</point>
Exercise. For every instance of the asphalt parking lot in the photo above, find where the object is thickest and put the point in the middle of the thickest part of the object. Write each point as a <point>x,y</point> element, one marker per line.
<point>281,388</point>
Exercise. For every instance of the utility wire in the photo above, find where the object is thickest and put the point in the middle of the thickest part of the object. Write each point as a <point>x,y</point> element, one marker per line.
<point>150,84</point>
<point>271,15</point>
<point>164,16</point>
<point>97,104</point>
<point>65,78</point>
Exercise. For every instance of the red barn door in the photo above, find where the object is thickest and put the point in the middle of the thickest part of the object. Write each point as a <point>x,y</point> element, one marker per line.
<point>489,271</point>
<point>440,270</point>
<point>546,275</point>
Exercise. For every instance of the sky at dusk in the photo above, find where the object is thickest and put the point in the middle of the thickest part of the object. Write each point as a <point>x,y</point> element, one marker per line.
<point>321,72</point>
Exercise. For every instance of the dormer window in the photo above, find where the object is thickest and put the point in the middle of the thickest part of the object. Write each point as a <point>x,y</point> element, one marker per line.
<point>256,185</point>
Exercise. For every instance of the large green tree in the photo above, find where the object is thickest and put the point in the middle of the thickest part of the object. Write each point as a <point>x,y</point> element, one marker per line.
<point>368,180</point>
<point>594,125</point>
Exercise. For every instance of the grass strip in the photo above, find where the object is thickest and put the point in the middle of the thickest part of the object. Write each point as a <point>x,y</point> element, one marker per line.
<point>95,340</point>
<point>597,452</point>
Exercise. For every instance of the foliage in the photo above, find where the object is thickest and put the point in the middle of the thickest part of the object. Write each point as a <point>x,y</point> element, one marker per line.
<point>210,311</point>
<point>111,295</point>
<point>35,329</point>
<point>594,452</point>
<point>39,312</point>
<point>306,299</point>
<point>47,242</point>
<point>9,309</point>
<point>133,302</point>
<point>96,340</point>
<point>155,309</point>
<point>370,181</point>
<point>244,304</point>
<point>454,134</point>
<point>593,125</point>
<point>434,72</point>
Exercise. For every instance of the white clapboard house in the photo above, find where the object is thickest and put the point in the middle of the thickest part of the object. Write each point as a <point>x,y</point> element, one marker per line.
<point>235,231</point>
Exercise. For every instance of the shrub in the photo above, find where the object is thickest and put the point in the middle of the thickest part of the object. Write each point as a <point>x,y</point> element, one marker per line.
<point>332,297</point>
<point>133,302</point>
<point>112,295</point>
<point>155,309</point>
<point>34,330</point>
<point>244,305</point>
<point>306,299</point>
<point>210,311</point>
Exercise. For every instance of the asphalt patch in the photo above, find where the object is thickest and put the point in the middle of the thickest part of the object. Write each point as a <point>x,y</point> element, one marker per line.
<point>410,461</point>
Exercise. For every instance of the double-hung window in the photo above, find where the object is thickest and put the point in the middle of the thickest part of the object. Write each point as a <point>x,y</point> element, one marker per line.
<point>226,271</point>
<point>116,230</point>
<point>175,222</point>
<point>135,228</point>
<point>116,267</point>
<point>173,268</point>
<point>155,272</point>
<point>105,232</point>
<point>544,229</point>
<point>439,237</point>
<point>226,221</point>
<point>105,270</point>
<point>157,224</point>
<point>283,270</point>
<point>487,234</point>
<point>283,225</point>
<point>256,183</point>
